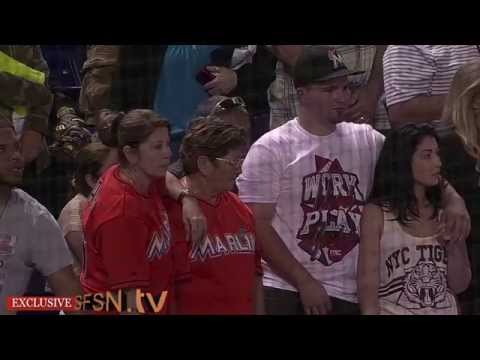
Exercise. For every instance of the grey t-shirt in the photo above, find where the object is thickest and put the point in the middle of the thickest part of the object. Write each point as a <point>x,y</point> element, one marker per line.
<point>30,238</point>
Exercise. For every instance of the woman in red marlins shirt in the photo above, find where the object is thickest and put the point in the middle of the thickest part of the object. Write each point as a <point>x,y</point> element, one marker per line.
<point>127,235</point>
<point>221,274</point>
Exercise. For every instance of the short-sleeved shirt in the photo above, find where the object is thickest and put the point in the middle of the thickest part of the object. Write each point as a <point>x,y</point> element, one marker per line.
<point>178,92</point>
<point>127,238</point>
<point>218,276</point>
<point>319,185</point>
<point>30,238</point>
<point>415,70</point>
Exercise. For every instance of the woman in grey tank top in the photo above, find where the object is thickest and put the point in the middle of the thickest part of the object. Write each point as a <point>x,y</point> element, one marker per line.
<point>407,264</point>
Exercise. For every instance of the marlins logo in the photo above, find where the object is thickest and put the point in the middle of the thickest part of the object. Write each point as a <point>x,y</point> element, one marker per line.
<point>335,58</point>
<point>160,243</point>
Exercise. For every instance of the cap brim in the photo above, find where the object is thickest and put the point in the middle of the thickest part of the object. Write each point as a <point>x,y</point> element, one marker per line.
<point>337,74</point>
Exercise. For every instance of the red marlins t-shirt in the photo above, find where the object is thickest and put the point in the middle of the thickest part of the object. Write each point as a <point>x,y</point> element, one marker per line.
<point>127,240</point>
<point>217,277</point>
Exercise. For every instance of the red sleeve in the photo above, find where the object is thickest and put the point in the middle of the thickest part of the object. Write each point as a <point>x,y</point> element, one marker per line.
<point>181,246</point>
<point>123,245</point>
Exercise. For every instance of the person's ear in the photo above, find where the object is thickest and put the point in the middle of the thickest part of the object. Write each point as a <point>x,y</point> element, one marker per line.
<point>204,165</point>
<point>131,154</point>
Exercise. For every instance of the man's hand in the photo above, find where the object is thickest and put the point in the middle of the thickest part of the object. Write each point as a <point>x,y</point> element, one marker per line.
<point>31,145</point>
<point>193,219</point>
<point>225,81</point>
<point>454,224</point>
<point>363,108</point>
<point>315,299</point>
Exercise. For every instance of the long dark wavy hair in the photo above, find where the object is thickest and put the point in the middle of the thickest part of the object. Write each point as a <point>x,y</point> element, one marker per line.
<point>393,186</point>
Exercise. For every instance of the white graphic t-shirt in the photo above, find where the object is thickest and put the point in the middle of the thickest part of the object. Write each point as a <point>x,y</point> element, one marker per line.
<point>413,274</point>
<point>320,185</point>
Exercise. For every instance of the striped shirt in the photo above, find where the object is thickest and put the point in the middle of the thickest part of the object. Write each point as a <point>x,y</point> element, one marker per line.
<point>415,70</point>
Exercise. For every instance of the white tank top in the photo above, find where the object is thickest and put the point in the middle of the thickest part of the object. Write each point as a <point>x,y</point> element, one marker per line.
<point>413,274</point>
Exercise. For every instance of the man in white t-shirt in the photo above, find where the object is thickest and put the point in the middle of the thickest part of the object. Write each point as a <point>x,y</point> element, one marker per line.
<point>306,182</point>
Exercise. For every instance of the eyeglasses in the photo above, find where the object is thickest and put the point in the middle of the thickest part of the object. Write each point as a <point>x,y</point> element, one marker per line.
<point>229,104</point>
<point>233,163</point>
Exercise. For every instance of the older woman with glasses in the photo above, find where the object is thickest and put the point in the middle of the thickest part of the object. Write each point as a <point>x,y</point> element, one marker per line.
<point>221,274</point>
<point>230,110</point>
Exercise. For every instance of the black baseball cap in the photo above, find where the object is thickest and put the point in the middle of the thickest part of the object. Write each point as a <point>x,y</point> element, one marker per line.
<point>317,64</point>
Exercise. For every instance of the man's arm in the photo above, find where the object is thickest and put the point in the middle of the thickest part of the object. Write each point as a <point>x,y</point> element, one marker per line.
<point>259,296</point>
<point>455,215</point>
<point>39,112</point>
<point>367,97</point>
<point>51,256</point>
<point>314,297</point>
<point>64,282</point>
<point>33,94</point>
<point>375,82</point>
<point>99,70</point>
<point>420,109</point>
<point>408,73</point>
<point>287,54</point>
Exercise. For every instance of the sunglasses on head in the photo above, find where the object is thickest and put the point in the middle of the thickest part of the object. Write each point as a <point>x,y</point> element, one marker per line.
<point>229,104</point>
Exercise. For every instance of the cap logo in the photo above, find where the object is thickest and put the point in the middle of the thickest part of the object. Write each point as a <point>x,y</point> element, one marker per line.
<point>336,59</point>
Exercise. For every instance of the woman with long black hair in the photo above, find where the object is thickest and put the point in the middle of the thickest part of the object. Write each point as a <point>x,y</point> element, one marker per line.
<point>405,264</point>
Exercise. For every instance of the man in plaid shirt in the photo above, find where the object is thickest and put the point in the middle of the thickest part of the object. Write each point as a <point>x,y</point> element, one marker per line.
<point>370,105</point>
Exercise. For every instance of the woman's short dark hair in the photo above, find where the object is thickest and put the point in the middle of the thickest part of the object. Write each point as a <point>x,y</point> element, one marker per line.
<point>117,129</point>
<point>212,138</point>
<point>89,161</point>
<point>393,186</point>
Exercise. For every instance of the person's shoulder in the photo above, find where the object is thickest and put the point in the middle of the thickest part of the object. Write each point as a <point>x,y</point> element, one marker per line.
<point>34,215</point>
<point>407,52</point>
<point>75,203</point>
<point>360,131</point>
<point>348,128</point>
<point>30,205</point>
<point>107,201</point>
<point>284,133</point>
<point>231,199</point>
<point>108,187</point>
